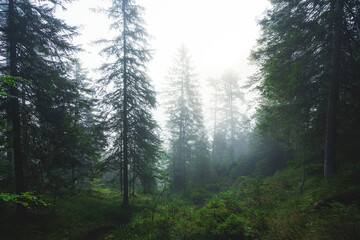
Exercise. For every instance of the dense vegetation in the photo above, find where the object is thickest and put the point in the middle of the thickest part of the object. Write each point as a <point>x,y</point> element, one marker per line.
<point>83,159</point>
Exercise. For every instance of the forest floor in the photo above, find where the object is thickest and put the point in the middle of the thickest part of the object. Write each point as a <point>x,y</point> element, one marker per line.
<point>100,232</point>
<point>253,208</point>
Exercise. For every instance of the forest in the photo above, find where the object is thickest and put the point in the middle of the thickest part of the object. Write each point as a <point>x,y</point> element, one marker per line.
<point>84,157</point>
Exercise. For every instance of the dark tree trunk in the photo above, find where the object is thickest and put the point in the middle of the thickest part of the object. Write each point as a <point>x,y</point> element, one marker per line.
<point>329,163</point>
<point>15,112</point>
<point>133,185</point>
<point>9,153</point>
<point>303,170</point>
<point>121,178</point>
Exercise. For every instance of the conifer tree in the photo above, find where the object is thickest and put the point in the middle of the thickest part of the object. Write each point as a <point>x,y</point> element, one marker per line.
<point>215,85</point>
<point>185,123</point>
<point>307,55</point>
<point>231,96</point>
<point>34,46</point>
<point>47,111</point>
<point>228,118</point>
<point>128,95</point>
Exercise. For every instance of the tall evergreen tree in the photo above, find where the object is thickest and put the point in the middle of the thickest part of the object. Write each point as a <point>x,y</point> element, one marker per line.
<point>86,128</point>
<point>215,85</point>
<point>48,114</point>
<point>307,48</point>
<point>228,129</point>
<point>128,94</point>
<point>34,46</point>
<point>335,71</point>
<point>231,96</point>
<point>185,119</point>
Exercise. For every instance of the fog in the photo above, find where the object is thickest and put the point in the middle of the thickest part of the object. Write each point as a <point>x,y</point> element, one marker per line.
<point>219,36</point>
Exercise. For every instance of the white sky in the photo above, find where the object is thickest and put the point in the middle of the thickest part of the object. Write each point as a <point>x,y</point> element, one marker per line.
<point>218,33</point>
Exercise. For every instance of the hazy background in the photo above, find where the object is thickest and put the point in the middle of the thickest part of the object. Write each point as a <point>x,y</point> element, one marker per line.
<point>218,34</point>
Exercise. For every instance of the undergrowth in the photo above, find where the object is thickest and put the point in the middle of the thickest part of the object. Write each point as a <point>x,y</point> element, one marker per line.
<point>253,208</point>
<point>71,218</point>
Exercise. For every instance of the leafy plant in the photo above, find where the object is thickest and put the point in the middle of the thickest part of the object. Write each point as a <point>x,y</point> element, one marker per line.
<point>24,199</point>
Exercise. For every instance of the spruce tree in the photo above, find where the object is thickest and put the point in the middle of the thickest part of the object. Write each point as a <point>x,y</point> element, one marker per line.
<point>128,95</point>
<point>188,142</point>
<point>229,122</point>
<point>307,56</point>
<point>33,43</point>
<point>47,109</point>
<point>215,85</point>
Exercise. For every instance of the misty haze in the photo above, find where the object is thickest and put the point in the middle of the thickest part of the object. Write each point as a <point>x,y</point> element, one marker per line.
<point>179,119</point>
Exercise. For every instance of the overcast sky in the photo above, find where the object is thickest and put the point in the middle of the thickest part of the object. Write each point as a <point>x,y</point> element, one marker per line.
<point>218,33</point>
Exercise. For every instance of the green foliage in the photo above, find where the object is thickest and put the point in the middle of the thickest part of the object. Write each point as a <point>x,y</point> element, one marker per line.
<point>294,56</point>
<point>73,218</point>
<point>26,199</point>
<point>253,208</point>
<point>231,228</point>
<point>7,81</point>
<point>95,183</point>
<point>199,196</point>
<point>60,138</point>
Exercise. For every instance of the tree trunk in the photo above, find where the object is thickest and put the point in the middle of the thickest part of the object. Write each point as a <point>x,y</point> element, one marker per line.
<point>232,127</point>
<point>15,112</point>
<point>215,123</point>
<point>133,185</point>
<point>125,114</point>
<point>329,163</point>
<point>303,170</point>
<point>182,134</point>
<point>9,153</point>
<point>121,178</point>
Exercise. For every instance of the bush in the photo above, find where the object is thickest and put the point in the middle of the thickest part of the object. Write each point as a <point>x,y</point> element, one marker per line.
<point>231,228</point>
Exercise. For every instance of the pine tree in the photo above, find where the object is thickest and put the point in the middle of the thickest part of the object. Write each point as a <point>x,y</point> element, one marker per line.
<point>131,98</point>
